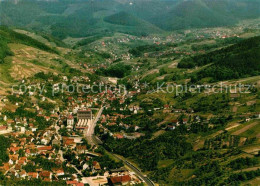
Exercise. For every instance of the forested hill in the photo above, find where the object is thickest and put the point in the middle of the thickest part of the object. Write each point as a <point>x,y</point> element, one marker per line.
<point>63,18</point>
<point>236,61</point>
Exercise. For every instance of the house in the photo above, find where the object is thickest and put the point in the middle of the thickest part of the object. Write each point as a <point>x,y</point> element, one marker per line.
<point>68,142</point>
<point>70,122</point>
<point>175,122</point>
<point>166,107</point>
<point>23,174</point>
<point>22,129</point>
<point>96,165</point>
<point>171,127</point>
<point>3,128</point>
<point>85,166</point>
<point>45,148</point>
<point>32,127</point>
<point>137,128</point>
<point>81,148</point>
<point>74,183</point>
<point>59,172</point>
<point>167,111</point>
<point>55,142</point>
<point>13,158</point>
<point>21,162</point>
<point>119,180</point>
<point>33,175</point>
<point>5,167</point>
<point>178,110</point>
<point>47,118</point>
<point>45,174</point>
<point>14,149</point>
<point>10,121</point>
<point>13,172</point>
<point>118,136</point>
<point>65,78</point>
<point>17,167</point>
<point>185,121</point>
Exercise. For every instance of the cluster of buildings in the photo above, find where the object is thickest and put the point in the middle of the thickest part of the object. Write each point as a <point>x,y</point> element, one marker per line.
<point>49,144</point>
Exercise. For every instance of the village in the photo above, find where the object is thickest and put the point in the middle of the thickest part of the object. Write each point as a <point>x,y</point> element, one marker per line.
<point>50,145</point>
<point>47,139</point>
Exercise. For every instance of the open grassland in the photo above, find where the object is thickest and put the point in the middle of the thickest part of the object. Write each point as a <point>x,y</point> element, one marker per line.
<point>28,61</point>
<point>180,175</point>
<point>253,131</point>
<point>245,128</point>
<point>165,163</point>
<point>36,37</point>
<point>255,181</point>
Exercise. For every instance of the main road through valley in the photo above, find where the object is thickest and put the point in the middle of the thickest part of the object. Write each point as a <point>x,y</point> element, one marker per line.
<point>93,140</point>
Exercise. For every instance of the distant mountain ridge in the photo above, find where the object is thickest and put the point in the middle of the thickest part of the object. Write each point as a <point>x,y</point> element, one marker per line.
<point>78,18</point>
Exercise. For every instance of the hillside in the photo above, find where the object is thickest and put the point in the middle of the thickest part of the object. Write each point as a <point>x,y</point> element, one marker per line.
<point>22,57</point>
<point>84,18</point>
<point>206,13</point>
<point>4,49</point>
<point>237,61</point>
<point>190,14</point>
<point>11,36</point>
<point>135,25</point>
<point>123,18</point>
<point>195,136</point>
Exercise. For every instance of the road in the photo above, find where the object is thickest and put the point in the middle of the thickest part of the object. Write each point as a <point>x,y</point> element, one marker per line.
<point>93,140</point>
<point>61,155</point>
<point>136,170</point>
<point>79,172</point>
<point>91,128</point>
<point>147,180</point>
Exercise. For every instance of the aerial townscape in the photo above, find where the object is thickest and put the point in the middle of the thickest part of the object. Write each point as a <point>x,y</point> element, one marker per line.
<point>129,92</point>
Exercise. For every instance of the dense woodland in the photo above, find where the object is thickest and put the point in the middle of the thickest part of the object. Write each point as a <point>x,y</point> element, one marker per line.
<point>148,152</point>
<point>237,61</point>
<point>119,70</point>
<point>4,49</point>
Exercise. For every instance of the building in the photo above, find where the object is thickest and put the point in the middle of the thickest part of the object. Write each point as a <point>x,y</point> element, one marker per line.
<point>119,180</point>
<point>84,119</point>
<point>70,122</point>
<point>84,114</point>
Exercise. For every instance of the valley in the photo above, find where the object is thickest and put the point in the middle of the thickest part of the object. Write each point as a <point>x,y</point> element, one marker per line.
<point>105,93</point>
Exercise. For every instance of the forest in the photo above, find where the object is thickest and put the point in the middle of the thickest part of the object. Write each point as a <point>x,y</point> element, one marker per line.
<point>148,152</point>
<point>4,49</point>
<point>237,61</point>
<point>4,144</point>
<point>119,70</point>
